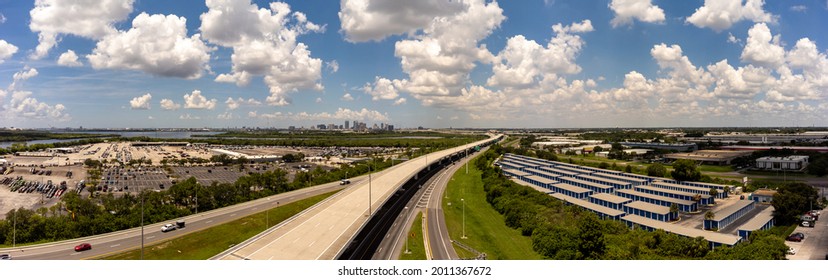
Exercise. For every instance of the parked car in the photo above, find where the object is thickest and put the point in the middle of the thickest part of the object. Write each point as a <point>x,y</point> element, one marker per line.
<point>83,247</point>
<point>344,182</point>
<point>807,224</point>
<point>5,257</point>
<point>796,237</point>
<point>168,227</point>
<point>791,251</point>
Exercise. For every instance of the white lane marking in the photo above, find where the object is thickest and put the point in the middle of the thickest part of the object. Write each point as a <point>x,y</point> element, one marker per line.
<point>207,222</point>
<point>330,227</point>
<point>311,243</point>
<point>116,245</point>
<point>254,208</point>
<point>317,224</point>
<point>150,237</point>
<point>74,254</point>
<point>297,239</point>
<point>234,214</point>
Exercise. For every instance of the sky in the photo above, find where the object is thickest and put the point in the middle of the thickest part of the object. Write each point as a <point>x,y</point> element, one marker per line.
<point>430,63</point>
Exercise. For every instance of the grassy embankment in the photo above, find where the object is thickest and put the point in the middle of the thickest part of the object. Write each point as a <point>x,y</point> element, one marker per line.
<point>416,247</point>
<point>485,228</point>
<point>201,245</point>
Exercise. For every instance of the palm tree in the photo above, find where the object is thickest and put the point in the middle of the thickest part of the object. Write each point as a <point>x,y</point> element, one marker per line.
<point>709,215</point>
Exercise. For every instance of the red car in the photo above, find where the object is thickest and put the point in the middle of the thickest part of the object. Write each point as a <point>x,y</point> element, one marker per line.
<point>83,247</point>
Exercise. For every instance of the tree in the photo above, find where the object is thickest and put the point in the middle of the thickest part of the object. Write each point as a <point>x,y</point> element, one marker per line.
<point>628,169</point>
<point>714,192</point>
<point>818,166</point>
<point>591,237</point>
<point>656,170</point>
<point>597,149</point>
<point>709,215</point>
<point>674,208</point>
<point>603,165</point>
<point>792,200</point>
<point>685,170</point>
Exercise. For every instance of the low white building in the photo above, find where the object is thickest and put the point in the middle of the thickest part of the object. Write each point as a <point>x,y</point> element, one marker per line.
<point>782,163</point>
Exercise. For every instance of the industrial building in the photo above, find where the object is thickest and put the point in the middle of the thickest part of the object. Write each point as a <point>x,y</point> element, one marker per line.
<point>679,147</point>
<point>727,216</point>
<point>602,211</point>
<point>762,221</point>
<point>713,157</point>
<point>789,163</point>
<point>763,195</point>
<point>767,148</point>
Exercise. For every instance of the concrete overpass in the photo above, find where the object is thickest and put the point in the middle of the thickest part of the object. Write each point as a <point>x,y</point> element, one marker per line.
<point>323,231</point>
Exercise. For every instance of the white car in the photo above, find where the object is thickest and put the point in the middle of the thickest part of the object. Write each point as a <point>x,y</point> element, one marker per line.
<point>168,227</point>
<point>791,251</point>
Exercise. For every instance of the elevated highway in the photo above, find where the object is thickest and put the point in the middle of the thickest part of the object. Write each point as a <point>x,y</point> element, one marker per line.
<point>329,227</point>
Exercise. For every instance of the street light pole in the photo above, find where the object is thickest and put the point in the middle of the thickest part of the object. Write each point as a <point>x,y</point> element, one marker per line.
<point>14,231</point>
<point>464,218</point>
<point>369,190</point>
<point>142,223</point>
<point>267,216</point>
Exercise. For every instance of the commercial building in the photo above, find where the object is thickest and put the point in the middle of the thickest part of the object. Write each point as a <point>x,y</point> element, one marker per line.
<point>763,195</point>
<point>649,211</point>
<point>791,163</point>
<point>601,211</point>
<point>683,205</point>
<point>679,147</point>
<point>762,221</point>
<point>608,200</point>
<point>714,239</point>
<point>727,216</point>
<point>767,148</point>
<point>715,157</point>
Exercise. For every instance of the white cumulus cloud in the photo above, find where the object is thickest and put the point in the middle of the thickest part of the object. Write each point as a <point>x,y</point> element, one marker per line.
<point>6,50</point>
<point>169,105</point>
<point>156,44</point>
<point>628,10</point>
<point>233,104</point>
<point>722,14</point>
<point>195,100</point>
<point>373,20</point>
<point>264,43</point>
<point>69,59</point>
<point>347,97</point>
<point>382,89</point>
<point>763,48</point>
<point>22,75</point>
<point>92,19</point>
<point>400,101</point>
<point>141,102</point>
<point>332,66</point>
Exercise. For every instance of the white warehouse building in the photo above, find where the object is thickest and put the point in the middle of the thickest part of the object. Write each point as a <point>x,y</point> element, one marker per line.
<point>782,163</point>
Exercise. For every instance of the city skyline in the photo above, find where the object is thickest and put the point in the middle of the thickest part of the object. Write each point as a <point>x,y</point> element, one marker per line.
<point>436,63</point>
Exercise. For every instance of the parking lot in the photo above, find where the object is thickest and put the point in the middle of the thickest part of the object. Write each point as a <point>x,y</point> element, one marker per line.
<point>815,244</point>
<point>117,179</point>
<point>219,174</point>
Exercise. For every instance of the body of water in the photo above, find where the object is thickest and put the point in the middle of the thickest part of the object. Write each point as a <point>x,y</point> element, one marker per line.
<point>152,134</point>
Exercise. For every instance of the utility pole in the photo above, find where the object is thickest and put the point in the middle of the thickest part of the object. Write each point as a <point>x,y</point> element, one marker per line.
<point>14,231</point>
<point>464,219</point>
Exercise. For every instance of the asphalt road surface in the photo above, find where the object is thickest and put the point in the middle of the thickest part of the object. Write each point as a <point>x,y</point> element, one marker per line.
<point>130,239</point>
<point>331,225</point>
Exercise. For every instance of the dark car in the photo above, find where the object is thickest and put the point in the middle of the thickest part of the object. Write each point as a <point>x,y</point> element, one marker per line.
<point>83,247</point>
<point>796,237</point>
<point>5,257</point>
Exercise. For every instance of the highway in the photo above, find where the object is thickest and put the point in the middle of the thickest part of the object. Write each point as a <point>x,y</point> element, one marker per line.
<point>130,239</point>
<point>328,228</point>
<point>429,199</point>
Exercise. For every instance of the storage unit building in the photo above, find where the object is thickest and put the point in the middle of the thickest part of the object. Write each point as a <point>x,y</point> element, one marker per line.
<point>570,190</point>
<point>649,211</point>
<point>595,187</point>
<point>762,221</point>
<point>726,216</point>
<point>704,199</point>
<point>601,211</point>
<point>714,239</point>
<point>609,200</point>
<point>683,205</point>
<point>610,182</point>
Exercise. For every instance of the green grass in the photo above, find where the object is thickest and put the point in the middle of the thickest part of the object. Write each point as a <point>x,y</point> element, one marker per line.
<point>715,168</point>
<point>201,245</point>
<point>416,247</point>
<point>485,228</point>
<point>782,231</point>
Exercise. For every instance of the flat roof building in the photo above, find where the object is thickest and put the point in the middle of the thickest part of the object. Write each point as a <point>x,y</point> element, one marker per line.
<point>683,205</point>
<point>727,216</point>
<point>601,211</point>
<point>570,190</point>
<point>649,211</point>
<point>762,221</point>
<point>763,195</point>
<point>596,187</point>
<point>714,239</point>
<point>608,200</point>
<point>717,157</point>
<point>704,199</point>
<point>681,147</point>
<point>793,163</point>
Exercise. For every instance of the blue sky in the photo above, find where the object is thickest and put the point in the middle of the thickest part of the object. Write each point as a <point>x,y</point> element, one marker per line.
<point>433,63</point>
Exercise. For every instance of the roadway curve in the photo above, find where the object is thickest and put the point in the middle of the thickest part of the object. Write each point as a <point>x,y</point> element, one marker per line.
<point>130,239</point>
<point>438,244</point>
<point>323,232</point>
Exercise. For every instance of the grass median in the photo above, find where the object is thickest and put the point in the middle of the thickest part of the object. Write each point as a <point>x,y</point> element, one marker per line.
<point>485,228</point>
<point>203,244</point>
<point>416,247</point>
